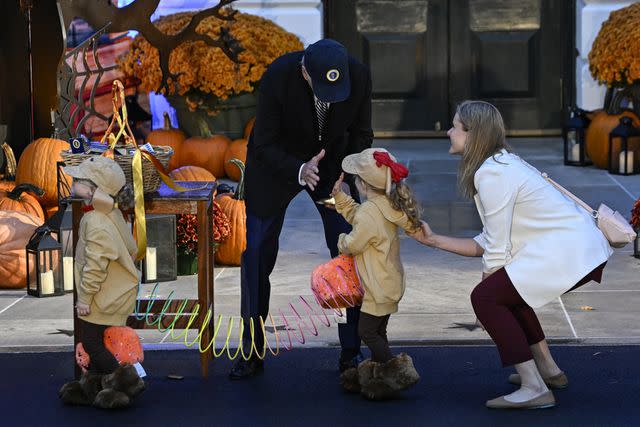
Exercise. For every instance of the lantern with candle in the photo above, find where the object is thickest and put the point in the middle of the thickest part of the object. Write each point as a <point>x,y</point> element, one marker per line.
<point>624,148</point>
<point>61,227</point>
<point>573,133</point>
<point>44,264</point>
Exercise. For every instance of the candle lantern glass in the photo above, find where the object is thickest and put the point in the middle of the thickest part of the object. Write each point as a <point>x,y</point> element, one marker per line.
<point>61,228</point>
<point>573,133</point>
<point>44,264</point>
<point>624,148</point>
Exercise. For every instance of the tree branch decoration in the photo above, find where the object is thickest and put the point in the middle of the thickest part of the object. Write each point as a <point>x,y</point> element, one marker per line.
<point>71,100</point>
<point>137,16</point>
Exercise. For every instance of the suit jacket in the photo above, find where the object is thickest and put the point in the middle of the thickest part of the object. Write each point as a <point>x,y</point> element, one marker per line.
<point>545,241</point>
<point>285,134</point>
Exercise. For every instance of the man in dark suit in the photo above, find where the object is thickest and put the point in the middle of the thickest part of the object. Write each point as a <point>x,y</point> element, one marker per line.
<point>314,109</point>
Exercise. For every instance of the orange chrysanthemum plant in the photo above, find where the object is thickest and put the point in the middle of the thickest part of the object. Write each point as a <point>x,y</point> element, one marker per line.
<point>205,71</point>
<point>614,59</point>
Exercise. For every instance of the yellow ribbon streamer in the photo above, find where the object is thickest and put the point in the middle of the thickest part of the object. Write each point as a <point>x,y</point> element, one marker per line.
<point>141,220</point>
<point>119,104</point>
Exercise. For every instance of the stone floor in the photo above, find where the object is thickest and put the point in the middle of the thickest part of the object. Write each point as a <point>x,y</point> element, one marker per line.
<point>435,308</point>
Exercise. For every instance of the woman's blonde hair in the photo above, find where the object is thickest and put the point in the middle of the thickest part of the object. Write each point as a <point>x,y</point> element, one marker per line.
<point>485,138</point>
<point>402,199</point>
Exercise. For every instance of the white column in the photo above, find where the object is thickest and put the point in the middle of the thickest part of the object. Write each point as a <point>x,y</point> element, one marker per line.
<point>590,14</point>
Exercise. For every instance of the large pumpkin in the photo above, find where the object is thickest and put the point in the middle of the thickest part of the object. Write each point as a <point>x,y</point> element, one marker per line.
<point>237,150</point>
<point>168,136</point>
<point>16,228</point>
<point>249,127</point>
<point>191,173</point>
<point>233,205</point>
<point>17,200</point>
<point>38,166</point>
<point>7,185</point>
<point>597,136</point>
<point>206,152</point>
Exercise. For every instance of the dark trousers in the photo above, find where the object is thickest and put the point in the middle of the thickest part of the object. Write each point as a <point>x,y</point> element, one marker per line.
<point>373,331</point>
<point>511,323</point>
<point>92,338</point>
<point>258,262</point>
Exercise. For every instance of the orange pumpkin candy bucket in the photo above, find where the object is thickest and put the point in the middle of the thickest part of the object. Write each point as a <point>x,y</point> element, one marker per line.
<point>336,284</point>
<point>121,341</point>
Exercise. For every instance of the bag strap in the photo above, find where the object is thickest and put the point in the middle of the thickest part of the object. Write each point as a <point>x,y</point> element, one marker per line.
<point>572,196</point>
<point>564,191</point>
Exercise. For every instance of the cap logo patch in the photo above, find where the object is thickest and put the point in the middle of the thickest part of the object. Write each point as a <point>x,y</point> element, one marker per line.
<point>333,75</point>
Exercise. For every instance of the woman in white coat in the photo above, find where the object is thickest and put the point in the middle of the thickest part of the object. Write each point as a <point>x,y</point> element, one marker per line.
<point>536,244</point>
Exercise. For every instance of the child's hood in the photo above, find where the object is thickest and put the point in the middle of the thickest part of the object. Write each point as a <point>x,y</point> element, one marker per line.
<point>395,216</point>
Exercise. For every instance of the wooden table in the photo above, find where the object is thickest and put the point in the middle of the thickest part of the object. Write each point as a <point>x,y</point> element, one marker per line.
<point>167,201</point>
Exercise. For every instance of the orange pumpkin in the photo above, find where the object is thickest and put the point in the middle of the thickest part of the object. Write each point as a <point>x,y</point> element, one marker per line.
<point>336,284</point>
<point>7,185</point>
<point>206,152</point>
<point>249,127</point>
<point>191,173</point>
<point>237,150</point>
<point>121,341</point>
<point>233,205</point>
<point>168,136</point>
<point>16,228</point>
<point>17,200</point>
<point>37,166</point>
<point>50,211</point>
<point>597,135</point>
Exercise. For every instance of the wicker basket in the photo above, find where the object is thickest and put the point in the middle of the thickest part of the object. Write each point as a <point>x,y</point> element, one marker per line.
<point>150,176</point>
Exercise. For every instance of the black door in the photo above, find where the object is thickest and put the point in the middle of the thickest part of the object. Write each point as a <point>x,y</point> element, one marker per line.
<point>512,53</point>
<point>405,45</point>
<point>428,55</point>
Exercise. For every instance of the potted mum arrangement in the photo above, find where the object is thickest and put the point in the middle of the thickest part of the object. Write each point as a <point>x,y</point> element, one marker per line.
<point>187,238</point>
<point>206,81</point>
<point>614,60</point>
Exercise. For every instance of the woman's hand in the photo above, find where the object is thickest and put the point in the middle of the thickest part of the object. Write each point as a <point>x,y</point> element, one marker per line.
<point>338,186</point>
<point>83,309</point>
<point>424,235</point>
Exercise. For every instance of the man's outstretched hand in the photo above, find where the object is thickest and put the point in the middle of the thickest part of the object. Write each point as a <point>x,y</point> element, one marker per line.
<point>310,170</point>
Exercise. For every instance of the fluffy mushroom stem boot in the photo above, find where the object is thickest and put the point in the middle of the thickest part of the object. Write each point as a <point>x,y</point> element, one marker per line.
<point>81,392</point>
<point>350,381</point>
<point>119,388</point>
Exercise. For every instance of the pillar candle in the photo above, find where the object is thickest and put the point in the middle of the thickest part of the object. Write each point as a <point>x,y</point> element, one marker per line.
<point>46,283</point>
<point>68,272</point>
<point>629,165</point>
<point>575,152</point>
<point>150,264</point>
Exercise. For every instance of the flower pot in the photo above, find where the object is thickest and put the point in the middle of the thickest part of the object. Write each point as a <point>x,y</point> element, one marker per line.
<point>636,245</point>
<point>233,113</point>
<point>187,264</point>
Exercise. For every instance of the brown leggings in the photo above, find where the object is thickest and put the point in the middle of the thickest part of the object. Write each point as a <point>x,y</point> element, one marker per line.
<point>373,331</point>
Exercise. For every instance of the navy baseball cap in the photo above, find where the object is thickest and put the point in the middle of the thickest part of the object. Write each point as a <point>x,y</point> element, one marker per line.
<point>327,63</point>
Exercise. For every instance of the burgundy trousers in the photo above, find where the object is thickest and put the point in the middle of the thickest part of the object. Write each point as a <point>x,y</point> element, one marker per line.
<point>511,323</point>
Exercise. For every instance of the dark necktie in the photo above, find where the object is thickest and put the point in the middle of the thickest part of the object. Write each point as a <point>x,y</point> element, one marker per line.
<point>322,108</point>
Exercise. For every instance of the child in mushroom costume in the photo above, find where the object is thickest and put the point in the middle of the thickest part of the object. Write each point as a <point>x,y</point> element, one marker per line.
<point>107,281</point>
<point>374,244</point>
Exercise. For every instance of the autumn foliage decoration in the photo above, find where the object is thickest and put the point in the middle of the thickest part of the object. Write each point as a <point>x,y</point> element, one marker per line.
<point>614,58</point>
<point>205,69</point>
<point>187,230</point>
